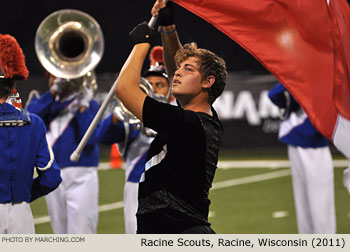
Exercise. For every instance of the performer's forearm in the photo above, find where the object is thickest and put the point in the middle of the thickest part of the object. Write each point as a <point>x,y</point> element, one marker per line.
<point>128,82</point>
<point>129,77</point>
<point>171,43</point>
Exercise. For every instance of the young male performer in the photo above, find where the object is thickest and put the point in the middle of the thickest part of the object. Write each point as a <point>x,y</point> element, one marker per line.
<point>133,140</point>
<point>181,162</point>
<point>23,148</point>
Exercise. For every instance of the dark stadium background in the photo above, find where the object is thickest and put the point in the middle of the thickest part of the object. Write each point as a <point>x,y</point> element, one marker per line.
<point>21,19</point>
<point>245,207</point>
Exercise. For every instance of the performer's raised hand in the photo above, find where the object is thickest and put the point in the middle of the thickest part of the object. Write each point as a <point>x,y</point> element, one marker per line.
<point>157,6</point>
<point>166,14</point>
<point>58,86</point>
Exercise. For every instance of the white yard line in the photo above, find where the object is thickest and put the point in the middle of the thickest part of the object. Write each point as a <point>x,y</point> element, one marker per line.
<point>41,220</point>
<point>251,179</point>
<point>217,185</point>
<point>103,208</point>
<point>272,164</point>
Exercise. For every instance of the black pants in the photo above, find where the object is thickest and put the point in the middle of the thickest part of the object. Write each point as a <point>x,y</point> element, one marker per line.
<point>168,221</point>
<point>198,230</point>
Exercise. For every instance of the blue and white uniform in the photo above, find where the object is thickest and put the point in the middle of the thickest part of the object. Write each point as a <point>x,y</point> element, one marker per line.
<point>23,148</point>
<point>73,207</point>
<point>311,165</point>
<point>133,146</point>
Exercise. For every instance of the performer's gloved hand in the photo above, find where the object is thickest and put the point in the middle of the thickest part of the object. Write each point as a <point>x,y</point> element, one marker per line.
<point>346,178</point>
<point>115,110</point>
<point>166,15</point>
<point>142,34</point>
<point>58,85</point>
<point>86,97</point>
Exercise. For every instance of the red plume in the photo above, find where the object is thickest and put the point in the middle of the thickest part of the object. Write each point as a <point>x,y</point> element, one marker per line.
<point>156,55</point>
<point>12,61</point>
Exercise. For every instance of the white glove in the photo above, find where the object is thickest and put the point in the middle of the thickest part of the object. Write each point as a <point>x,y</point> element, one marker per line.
<point>86,97</point>
<point>58,85</point>
<point>149,132</point>
<point>346,178</point>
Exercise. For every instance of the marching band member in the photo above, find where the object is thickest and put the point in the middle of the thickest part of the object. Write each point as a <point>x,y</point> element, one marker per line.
<point>73,206</point>
<point>311,165</point>
<point>182,159</point>
<point>23,147</point>
<point>133,142</point>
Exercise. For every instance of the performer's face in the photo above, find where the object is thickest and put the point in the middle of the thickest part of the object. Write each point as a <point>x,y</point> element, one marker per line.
<point>159,84</point>
<point>187,79</point>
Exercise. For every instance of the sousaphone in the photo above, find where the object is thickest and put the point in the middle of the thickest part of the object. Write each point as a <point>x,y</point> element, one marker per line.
<point>69,43</point>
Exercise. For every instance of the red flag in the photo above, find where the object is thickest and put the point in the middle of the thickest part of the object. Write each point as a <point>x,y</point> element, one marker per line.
<point>305,44</point>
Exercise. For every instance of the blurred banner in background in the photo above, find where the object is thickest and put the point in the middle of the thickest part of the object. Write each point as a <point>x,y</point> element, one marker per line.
<point>249,118</point>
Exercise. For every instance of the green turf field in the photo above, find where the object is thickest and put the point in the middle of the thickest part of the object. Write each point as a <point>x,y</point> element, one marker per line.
<point>244,200</point>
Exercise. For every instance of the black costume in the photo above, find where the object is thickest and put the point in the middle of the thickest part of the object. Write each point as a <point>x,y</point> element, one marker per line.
<point>179,169</point>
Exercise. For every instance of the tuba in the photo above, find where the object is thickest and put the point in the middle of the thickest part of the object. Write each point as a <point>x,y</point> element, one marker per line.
<point>123,114</point>
<point>69,44</point>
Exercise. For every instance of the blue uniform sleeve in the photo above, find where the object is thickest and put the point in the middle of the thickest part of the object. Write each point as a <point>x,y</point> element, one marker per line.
<point>47,180</point>
<point>46,107</point>
<point>41,106</point>
<point>278,96</point>
<point>110,133</point>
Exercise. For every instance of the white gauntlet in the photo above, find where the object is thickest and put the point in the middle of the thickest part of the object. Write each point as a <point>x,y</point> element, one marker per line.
<point>86,97</point>
<point>346,178</point>
<point>59,84</point>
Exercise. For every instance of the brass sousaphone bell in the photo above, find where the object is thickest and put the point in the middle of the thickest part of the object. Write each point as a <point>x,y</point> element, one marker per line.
<point>69,44</point>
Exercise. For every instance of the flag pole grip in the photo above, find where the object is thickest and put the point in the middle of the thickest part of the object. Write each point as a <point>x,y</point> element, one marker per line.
<point>152,22</point>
